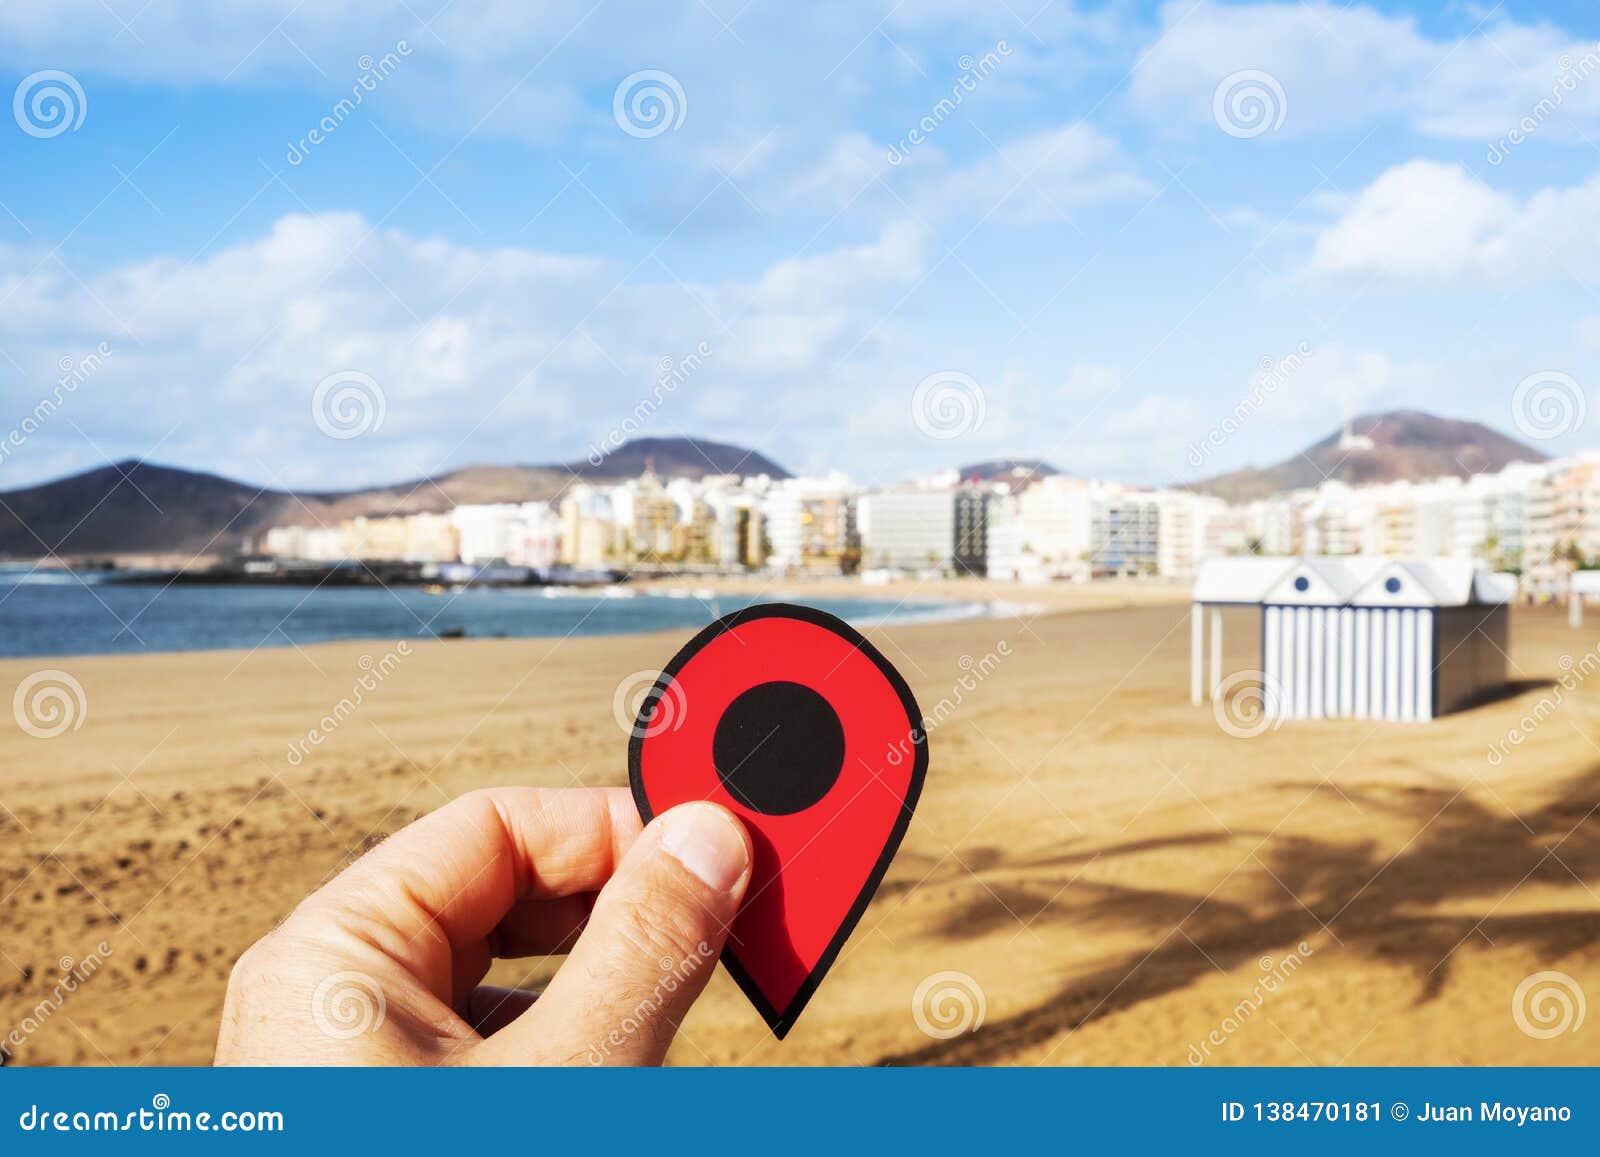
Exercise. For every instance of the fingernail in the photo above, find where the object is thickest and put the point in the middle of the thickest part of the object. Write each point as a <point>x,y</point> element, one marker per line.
<point>702,838</point>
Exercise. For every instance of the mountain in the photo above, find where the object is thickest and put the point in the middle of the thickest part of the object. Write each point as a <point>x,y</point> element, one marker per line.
<point>1001,469</point>
<point>676,458</point>
<point>132,506</point>
<point>1387,447</point>
<point>136,507</point>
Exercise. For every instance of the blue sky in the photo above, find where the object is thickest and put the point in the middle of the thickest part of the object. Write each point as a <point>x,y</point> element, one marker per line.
<point>1094,244</point>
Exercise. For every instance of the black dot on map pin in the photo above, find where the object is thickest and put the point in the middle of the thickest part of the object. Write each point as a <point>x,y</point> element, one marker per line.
<point>793,721</point>
<point>778,748</point>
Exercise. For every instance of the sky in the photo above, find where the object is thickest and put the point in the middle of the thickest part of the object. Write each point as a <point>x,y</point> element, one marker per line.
<point>330,243</point>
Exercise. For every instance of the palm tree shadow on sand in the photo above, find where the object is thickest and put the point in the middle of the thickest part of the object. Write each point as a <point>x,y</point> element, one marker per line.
<point>1373,903</point>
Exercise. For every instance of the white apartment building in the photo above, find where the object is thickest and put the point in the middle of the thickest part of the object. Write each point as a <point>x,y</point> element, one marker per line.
<point>1125,527</point>
<point>305,543</point>
<point>911,529</point>
<point>589,530</point>
<point>1184,531</point>
<point>1274,523</point>
<point>483,533</point>
<point>810,522</point>
<point>1331,522</point>
<point>1010,558</point>
<point>1542,519</point>
<point>1067,528</point>
<point>524,534</point>
<point>1561,521</point>
<point>1055,517</point>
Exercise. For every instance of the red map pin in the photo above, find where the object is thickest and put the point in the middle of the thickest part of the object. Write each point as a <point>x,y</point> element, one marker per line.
<point>790,719</point>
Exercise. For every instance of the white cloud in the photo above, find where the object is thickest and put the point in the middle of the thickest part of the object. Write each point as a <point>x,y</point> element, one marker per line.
<point>269,41</point>
<point>825,282</point>
<point>481,354</point>
<point>847,176</point>
<point>1345,66</point>
<point>541,72</point>
<point>1151,419</point>
<point>1341,382</point>
<point>1087,379</point>
<point>1042,177</point>
<point>1033,179</point>
<point>1425,222</point>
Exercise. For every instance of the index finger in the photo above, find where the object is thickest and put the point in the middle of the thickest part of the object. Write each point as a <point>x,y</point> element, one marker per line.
<point>462,868</point>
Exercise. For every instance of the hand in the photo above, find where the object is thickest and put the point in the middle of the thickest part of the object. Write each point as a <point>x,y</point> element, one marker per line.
<point>382,966</point>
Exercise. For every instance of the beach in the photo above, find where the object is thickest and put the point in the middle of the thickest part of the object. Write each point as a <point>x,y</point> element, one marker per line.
<point>1096,865</point>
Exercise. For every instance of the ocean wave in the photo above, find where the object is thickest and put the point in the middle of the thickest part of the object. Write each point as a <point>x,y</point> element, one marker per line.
<point>54,577</point>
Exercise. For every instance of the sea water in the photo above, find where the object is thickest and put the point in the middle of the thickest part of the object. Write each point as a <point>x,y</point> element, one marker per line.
<point>57,613</point>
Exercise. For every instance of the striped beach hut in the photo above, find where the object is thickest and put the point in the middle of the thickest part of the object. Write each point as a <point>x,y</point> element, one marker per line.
<point>1360,637</point>
<point>1581,585</point>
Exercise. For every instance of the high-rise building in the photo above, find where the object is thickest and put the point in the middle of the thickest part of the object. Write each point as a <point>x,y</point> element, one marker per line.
<point>535,536</point>
<point>970,554</point>
<point>1055,517</point>
<point>653,530</point>
<point>1562,522</point>
<point>1124,532</point>
<point>811,524</point>
<point>485,531</point>
<point>907,529</point>
<point>588,534</point>
<point>523,534</point>
<point>1183,533</point>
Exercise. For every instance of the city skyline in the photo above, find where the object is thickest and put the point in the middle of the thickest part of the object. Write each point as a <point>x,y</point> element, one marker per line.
<point>1088,229</point>
<point>1533,520</point>
<point>1028,463</point>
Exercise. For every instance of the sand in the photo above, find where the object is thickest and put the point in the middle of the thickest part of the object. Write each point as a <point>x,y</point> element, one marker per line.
<point>1116,879</point>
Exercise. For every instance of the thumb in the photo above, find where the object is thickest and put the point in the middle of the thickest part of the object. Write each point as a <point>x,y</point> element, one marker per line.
<point>650,946</point>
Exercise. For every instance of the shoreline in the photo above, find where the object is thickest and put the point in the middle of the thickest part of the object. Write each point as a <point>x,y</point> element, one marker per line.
<point>915,604</point>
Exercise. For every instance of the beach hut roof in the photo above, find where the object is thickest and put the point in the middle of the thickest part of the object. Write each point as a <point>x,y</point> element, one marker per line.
<point>1350,580</point>
<point>1445,582</point>
<point>1317,581</point>
<point>1494,586</point>
<point>1238,580</point>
